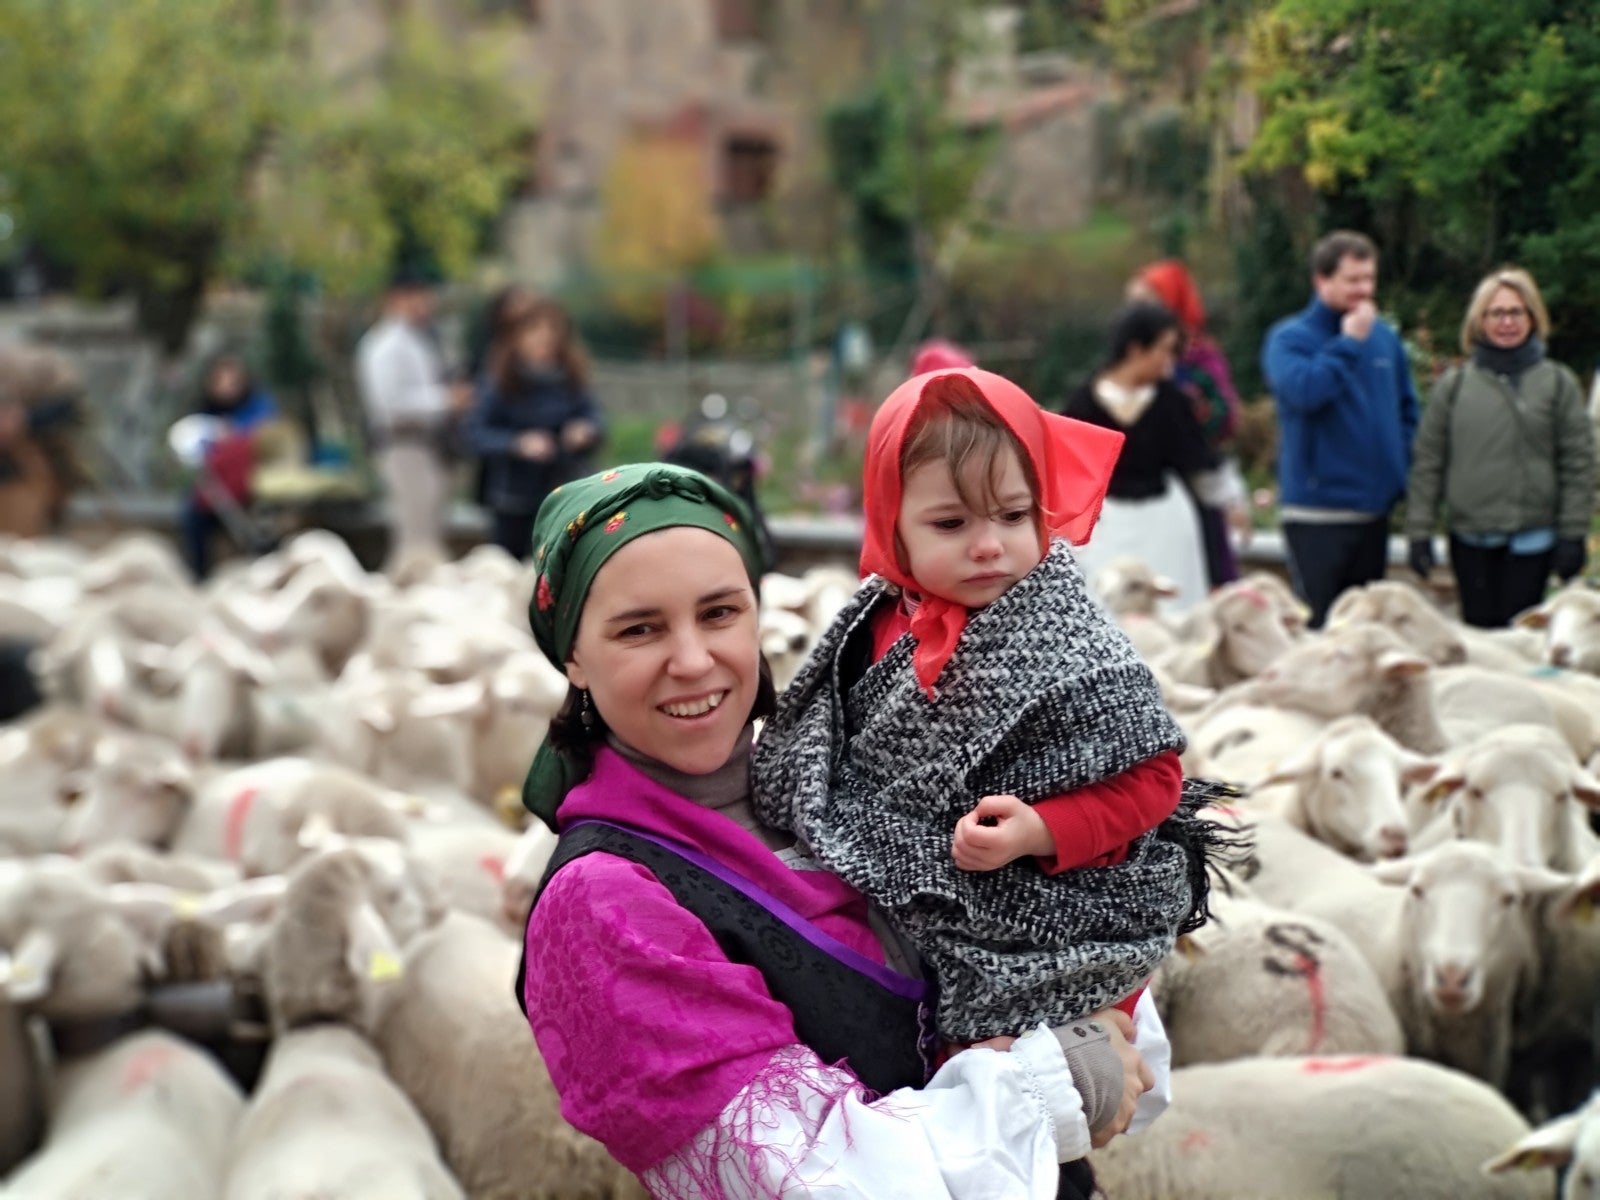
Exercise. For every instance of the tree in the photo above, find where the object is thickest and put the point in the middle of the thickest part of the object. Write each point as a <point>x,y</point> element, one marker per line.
<point>132,127</point>
<point>1461,132</point>
<point>153,143</point>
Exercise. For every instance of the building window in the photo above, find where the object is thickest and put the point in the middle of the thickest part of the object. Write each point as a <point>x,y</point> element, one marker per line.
<point>749,164</point>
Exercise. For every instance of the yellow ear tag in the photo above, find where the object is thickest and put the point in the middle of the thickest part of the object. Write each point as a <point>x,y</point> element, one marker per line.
<point>22,972</point>
<point>383,966</point>
<point>1437,792</point>
<point>1583,909</point>
<point>186,906</point>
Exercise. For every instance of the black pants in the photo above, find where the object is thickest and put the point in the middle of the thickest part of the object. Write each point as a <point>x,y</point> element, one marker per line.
<point>1077,1181</point>
<point>1494,584</point>
<point>1325,559</point>
<point>512,532</point>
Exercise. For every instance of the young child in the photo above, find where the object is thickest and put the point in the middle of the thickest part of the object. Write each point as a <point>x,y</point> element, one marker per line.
<point>973,744</point>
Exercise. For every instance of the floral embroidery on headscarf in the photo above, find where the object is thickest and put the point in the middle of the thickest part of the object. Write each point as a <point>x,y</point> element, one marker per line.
<point>732,524</point>
<point>616,522</point>
<point>542,597</point>
<point>610,476</point>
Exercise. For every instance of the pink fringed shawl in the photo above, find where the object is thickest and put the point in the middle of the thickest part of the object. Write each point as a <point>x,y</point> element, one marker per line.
<point>649,1032</point>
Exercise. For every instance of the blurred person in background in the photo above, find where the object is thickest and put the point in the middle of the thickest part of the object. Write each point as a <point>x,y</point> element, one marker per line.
<point>1202,373</point>
<point>485,350</point>
<point>410,410</point>
<point>1347,412</point>
<point>1506,444</point>
<point>1167,467</point>
<point>41,411</point>
<point>534,423</point>
<point>234,407</point>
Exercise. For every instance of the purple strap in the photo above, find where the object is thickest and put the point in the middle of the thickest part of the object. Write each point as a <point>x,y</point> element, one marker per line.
<point>884,976</point>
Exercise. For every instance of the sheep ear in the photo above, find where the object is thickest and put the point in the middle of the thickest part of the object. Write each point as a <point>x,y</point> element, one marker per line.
<point>1579,904</point>
<point>1164,587</point>
<point>1585,787</point>
<point>1534,618</point>
<point>371,952</point>
<point>1189,947</point>
<point>1301,766</point>
<point>26,975</point>
<point>1442,786</point>
<point>1548,1146</point>
<point>1398,664</point>
<point>1394,871</point>
<point>249,902</point>
<point>1414,768</point>
<point>148,910</point>
<point>454,700</point>
<point>1541,881</point>
<point>377,718</point>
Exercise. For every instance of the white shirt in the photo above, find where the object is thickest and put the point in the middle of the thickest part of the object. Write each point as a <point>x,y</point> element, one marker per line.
<point>400,375</point>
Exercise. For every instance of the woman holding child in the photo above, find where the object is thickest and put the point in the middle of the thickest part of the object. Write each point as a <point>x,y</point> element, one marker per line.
<point>717,1001</point>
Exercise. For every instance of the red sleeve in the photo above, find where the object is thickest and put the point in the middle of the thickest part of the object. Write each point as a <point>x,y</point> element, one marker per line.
<point>1093,825</point>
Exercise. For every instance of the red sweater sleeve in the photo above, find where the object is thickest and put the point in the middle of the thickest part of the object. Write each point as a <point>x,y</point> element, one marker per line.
<point>1094,825</point>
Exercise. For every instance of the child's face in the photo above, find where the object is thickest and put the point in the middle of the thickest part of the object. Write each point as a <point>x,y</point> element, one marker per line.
<point>962,556</point>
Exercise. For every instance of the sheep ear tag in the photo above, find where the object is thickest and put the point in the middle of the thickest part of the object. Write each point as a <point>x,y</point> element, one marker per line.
<point>383,967</point>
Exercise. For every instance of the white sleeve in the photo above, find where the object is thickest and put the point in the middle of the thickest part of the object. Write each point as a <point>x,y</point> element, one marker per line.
<point>1150,1040</point>
<point>402,380</point>
<point>989,1124</point>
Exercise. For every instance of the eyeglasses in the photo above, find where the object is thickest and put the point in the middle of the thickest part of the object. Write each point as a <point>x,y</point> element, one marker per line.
<point>1506,314</point>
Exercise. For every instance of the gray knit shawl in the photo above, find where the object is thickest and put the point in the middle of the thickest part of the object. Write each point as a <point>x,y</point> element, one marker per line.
<point>1044,694</point>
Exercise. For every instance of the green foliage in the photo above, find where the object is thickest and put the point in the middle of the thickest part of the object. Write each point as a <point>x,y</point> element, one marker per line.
<point>131,130</point>
<point>903,164</point>
<point>150,142</point>
<point>1461,132</point>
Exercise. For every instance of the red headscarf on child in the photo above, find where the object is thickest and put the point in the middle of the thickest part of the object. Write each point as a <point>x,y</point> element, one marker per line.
<point>1071,459</point>
<point>1170,280</point>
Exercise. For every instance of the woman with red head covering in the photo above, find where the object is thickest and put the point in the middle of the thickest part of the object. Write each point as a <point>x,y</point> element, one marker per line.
<point>1202,373</point>
<point>973,744</point>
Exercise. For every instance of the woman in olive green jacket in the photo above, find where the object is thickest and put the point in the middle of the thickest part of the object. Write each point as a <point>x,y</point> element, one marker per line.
<point>1506,444</point>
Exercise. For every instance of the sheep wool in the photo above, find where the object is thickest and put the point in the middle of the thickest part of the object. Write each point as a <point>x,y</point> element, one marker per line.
<point>1042,695</point>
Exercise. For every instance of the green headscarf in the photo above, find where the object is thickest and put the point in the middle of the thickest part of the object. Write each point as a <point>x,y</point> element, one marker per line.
<point>582,524</point>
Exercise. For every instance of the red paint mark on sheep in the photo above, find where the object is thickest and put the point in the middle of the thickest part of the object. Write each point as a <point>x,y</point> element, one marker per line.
<point>1254,597</point>
<point>238,813</point>
<point>144,1066</point>
<point>1194,1141</point>
<point>1311,970</point>
<point>1341,1066</point>
<point>495,865</point>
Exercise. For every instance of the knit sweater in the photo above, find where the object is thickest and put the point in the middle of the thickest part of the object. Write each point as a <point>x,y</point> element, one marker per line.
<point>1043,695</point>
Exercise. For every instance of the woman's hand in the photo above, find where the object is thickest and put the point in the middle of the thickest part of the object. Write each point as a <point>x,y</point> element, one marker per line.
<point>999,830</point>
<point>537,445</point>
<point>577,436</point>
<point>1136,1076</point>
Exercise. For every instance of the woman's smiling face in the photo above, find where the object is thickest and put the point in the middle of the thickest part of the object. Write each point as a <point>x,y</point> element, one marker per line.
<point>668,647</point>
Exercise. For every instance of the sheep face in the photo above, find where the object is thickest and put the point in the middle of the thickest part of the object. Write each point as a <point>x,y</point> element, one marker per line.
<point>136,791</point>
<point>1463,926</point>
<point>1405,610</point>
<point>1517,792</point>
<point>1571,621</point>
<point>1252,633</point>
<point>1342,672</point>
<point>1349,789</point>
<point>1128,587</point>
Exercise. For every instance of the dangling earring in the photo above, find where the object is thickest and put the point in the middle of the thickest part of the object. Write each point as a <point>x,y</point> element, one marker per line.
<point>585,710</point>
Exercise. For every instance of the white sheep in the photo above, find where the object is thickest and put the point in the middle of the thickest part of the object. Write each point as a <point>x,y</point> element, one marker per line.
<point>1570,621</point>
<point>1519,788</point>
<point>1344,788</point>
<point>148,1118</point>
<point>326,1121</point>
<point>1273,1128</point>
<point>1261,980</point>
<point>1234,635</point>
<point>1571,1142</point>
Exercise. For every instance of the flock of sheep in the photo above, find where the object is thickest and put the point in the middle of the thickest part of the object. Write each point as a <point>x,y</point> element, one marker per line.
<point>262,876</point>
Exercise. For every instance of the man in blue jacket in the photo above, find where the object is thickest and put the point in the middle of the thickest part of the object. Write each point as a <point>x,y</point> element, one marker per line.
<point>1347,410</point>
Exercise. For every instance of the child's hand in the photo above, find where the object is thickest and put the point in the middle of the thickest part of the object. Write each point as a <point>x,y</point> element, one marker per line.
<point>999,830</point>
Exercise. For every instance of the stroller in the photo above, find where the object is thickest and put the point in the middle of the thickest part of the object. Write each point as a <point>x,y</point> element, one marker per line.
<point>718,447</point>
